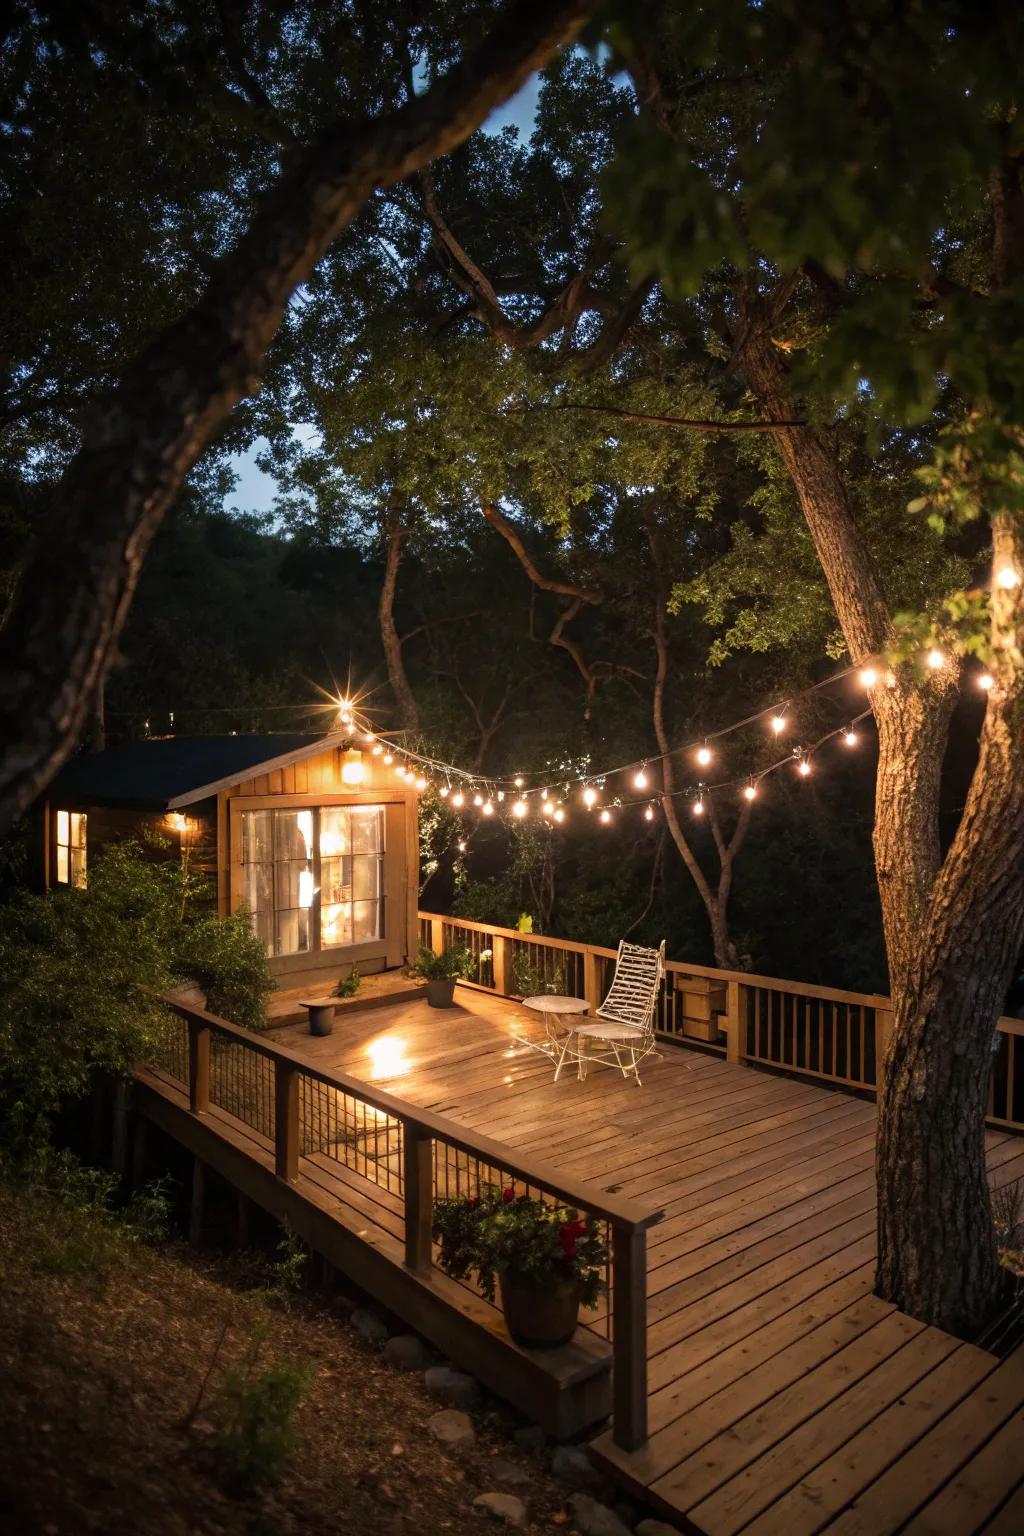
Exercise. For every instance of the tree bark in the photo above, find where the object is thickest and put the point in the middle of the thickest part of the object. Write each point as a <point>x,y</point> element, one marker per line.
<point>395,535</point>
<point>140,441</point>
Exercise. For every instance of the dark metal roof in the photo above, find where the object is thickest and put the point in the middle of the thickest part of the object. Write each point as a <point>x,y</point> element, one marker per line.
<point>156,775</point>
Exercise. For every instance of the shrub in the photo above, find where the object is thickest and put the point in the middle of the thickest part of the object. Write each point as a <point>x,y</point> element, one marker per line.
<point>257,1429</point>
<point>499,1230</point>
<point>224,956</point>
<point>452,964</point>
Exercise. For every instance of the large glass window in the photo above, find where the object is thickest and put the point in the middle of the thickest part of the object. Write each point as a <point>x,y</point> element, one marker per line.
<point>314,879</point>
<point>71,850</point>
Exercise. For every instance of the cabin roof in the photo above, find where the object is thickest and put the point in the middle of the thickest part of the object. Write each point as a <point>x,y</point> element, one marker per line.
<point>171,771</point>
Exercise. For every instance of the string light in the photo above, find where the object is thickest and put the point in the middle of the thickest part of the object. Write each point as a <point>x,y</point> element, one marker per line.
<point>850,736</point>
<point>698,806</point>
<point>378,749</point>
<point>704,755</point>
<point>518,781</point>
<point>935,660</point>
<point>589,797</point>
<point>606,816</point>
<point>444,791</point>
<point>640,779</point>
<point>649,813</point>
<point>750,791</point>
<point>986,681</point>
<point>778,724</point>
<point>458,799</point>
<point>559,814</point>
<point>389,758</point>
<point>803,767</point>
<point>869,677</point>
<point>421,783</point>
<point>488,809</point>
<point>478,800</point>
<point>548,808</point>
<point>1007,578</point>
<point>519,809</point>
<point>461,847</point>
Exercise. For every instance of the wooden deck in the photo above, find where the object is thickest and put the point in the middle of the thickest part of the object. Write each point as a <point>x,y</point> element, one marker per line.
<point>784,1396</point>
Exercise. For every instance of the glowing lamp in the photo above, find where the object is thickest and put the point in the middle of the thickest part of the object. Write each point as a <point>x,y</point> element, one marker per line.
<point>640,780</point>
<point>458,799</point>
<point>1007,578</point>
<point>548,808</point>
<point>519,809</point>
<point>589,797</point>
<point>488,808</point>
<point>778,724</point>
<point>698,807</point>
<point>649,813</point>
<point>986,681</point>
<point>704,756</point>
<point>803,767</point>
<point>935,660</point>
<point>850,737</point>
<point>869,677</point>
<point>606,816</point>
<point>518,781</point>
<point>352,770</point>
<point>559,814</point>
<point>176,821</point>
<point>750,792</point>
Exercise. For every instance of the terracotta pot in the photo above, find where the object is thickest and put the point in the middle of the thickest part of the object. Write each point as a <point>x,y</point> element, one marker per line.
<point>441,992</point>
<point>539,1316</point>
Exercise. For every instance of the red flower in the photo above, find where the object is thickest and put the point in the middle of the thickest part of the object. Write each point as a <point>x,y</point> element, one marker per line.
<point>508,1193</point>
<point>472,1202</point>
<point>569,1250</point>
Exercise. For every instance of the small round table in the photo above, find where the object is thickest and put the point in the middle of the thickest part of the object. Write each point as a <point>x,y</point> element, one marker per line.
<point>321,1014</point>
<point>557,1010</point>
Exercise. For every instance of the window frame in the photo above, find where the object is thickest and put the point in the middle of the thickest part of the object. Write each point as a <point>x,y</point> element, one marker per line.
<point>70,847</point>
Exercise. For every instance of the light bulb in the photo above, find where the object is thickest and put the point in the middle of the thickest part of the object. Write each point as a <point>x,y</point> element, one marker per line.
<point>559,813</point>
<point>461,847</point>
<point>750,792</point>
<point>368,736</point>
<point>640,779</point>
<point>389,758</point>
<point>444,791</point>
<point>518,781</point>
<point>606,815</point>
<point>458,799</point>
<point>850,737</point>
<point>698,807</point>
<point>986,681</point>
<point>804,767</point>
<point>478,799</point>
<point>421,783</point>
<point>778,724</point>
<point>1007,578</point>
<point>519,809</point>
<point>488,809</point>
<point>869,677</point>
<point>935,660</point>
<point>589,796</point>
<point>704,756</point>
<point>378,749</point>
<point>548,808</point>
<point>649,813</point>
<point>501,794</point>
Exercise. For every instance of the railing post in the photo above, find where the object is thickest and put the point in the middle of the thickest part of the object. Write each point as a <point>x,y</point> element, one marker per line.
<point>501,955</point>
<point>437,935</point>
<point>734,1048</point>
<point>629,1338</point>
<point>198,1066</point>
<point>286,1121</point>
<point>419,1197</point>
<point>591,980</point>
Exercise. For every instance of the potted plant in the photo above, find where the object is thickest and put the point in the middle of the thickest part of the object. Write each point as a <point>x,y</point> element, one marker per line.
<point>548,1259</point>
<point>441,972</point>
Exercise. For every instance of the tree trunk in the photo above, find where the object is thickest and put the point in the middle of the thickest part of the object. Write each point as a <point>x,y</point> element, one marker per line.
<point>141,440</point>
<point>405,700</point>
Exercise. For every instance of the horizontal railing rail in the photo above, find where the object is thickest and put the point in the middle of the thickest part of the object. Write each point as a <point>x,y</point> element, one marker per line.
<point>823,1033</point>
<point>397,1158</point>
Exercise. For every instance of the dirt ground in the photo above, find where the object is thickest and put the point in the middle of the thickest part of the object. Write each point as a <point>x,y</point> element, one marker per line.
<point>99,1432</point>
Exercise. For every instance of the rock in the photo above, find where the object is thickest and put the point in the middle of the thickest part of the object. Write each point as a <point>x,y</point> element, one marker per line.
<point>655,1528</point>
<point>369,1325</point>
<point>407,1352</point>
<point>453,1388</point>
<point>452,1428</point>
<point>572,1464</point>
<point>530,1437</point>
<point>596,1519</point>
<point>509,1473</point>
<point>502,1506</point>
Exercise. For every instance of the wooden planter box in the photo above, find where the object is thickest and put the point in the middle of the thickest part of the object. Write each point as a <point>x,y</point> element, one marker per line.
<point>703,1001</point>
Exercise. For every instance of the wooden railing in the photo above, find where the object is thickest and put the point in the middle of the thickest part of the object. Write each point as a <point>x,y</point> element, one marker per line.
<point>397,1158</point>
<point>817,1032</point>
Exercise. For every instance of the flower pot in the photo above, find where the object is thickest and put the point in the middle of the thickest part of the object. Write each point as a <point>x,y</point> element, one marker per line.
<point>540,1316</point>
<point>441,992</point>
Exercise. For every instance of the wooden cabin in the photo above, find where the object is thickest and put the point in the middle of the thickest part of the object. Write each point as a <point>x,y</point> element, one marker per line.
<point>317,837</point>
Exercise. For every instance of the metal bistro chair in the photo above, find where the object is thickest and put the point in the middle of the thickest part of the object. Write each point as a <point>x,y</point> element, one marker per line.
<point>622,1033</point>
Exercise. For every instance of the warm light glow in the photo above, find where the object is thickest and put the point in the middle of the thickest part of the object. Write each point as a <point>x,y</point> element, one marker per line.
<point>378,749</point>
<point>869,677</point>
<point>488,809</point>
<point>478,800</point>
<point>518,781</point>
<point>986,681</point>
<point>458,799</point>
<point>850,737</point>
<point>1007,578</point>
<point>352,771</point>
<point>176,821</point>
<point>559,814</point>
<point>704,756</point>
<point>803,767</point>
<point>548,808</point>
<point>461,847</point>
<point>444,791</point>
<point>698,807</point>
<point>387,1056</point>
<point>750,792</point>
<point>501,794</point>
<point>606,816</point>
<point>589,796</point>
<point>640,780</point>
<point>778,724</point>
<point>368,736</point>
<point>389,758</point>
<point>935,660</point>
<point>305,887</point>
<point>649,813</point>
<point>519,809</point>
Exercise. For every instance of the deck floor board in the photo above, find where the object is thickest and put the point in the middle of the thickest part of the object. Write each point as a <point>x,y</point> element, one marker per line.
<point>784,1396</point>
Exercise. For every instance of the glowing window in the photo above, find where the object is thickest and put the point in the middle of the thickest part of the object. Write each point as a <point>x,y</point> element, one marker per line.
<point>71,849</point>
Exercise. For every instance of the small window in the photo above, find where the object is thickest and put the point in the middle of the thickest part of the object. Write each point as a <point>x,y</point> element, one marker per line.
<point>71,853</point>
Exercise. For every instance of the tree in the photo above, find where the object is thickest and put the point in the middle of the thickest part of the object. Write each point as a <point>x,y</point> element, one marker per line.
<point>143,436</point>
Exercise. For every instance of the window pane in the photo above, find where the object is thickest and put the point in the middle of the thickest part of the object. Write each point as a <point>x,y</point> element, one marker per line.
<point>62,865</point>
<point>335,923</point>
<point>77,867</point>
<point>335,836</point>
<point>368,829</point>
<point>365,921</point>
<point>256,836</point>
<point>292,931</point>
<point>63,833</point>
<point>78,820</point>
<point>366,877</point>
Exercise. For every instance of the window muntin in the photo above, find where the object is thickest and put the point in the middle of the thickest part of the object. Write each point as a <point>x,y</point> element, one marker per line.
<point>71,848</point>
<point>314,879</point>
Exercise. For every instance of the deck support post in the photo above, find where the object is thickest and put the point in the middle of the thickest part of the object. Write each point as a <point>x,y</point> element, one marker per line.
<point>286,1121</point>
<point>629,1319</point>
<point>591,980</point>
<point>198,1066</point>
<point>437,935</point>
<point>501,964</point>
<point>419,1197</point>
<point>733,1042</point>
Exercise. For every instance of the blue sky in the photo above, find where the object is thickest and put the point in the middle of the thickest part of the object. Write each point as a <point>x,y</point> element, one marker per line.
<point>255,490</point>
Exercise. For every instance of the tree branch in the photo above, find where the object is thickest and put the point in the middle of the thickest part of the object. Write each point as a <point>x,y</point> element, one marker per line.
<point>686,423</point>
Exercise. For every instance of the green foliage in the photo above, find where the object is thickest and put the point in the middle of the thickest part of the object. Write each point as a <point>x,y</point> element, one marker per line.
<point>500,1231</point>
<point>348,986</point>
<point>454,963</point>
<point>257,1426</point>
<point>81,973</point>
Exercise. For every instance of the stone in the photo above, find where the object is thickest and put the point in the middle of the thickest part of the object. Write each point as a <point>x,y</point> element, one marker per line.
<point>596,1519</point>
<point>530,1437</point>
<point>509,1473</point>
<point>572,1465</point>
<point>407,1352</point>
<point>452,1428</point>
<point>502,1506</point>
<point>369,1325</point>
<point>655,1528</point>
<point>454,1388</point>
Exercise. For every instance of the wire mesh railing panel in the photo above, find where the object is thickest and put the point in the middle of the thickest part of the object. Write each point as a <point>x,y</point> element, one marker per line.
<point>351,1132</point>
<point>460,1175</point>
<point>242,1083</point>
<point>170,1051</point>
